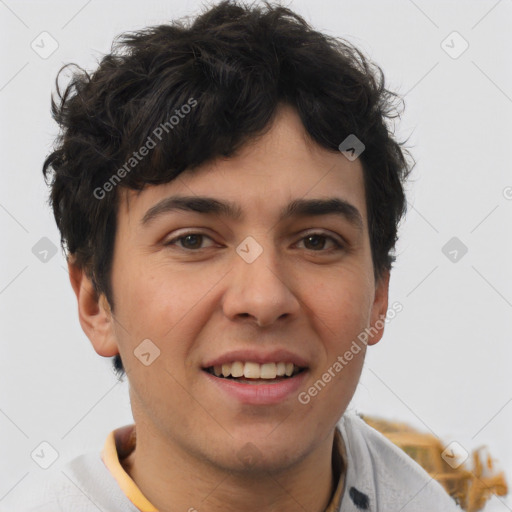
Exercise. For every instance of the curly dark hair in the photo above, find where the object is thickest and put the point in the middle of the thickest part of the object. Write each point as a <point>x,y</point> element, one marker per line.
<point>231,66</point>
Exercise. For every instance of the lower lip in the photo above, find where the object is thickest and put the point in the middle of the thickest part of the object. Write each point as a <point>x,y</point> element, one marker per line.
<point>259,394</point>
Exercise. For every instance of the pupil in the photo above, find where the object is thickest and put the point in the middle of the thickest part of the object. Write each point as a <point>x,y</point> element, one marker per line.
<point>316,237</point>
<point>197,238</point>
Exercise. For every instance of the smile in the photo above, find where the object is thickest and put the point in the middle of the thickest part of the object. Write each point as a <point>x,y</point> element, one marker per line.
<point>250,371</point>
<point>263,386</point>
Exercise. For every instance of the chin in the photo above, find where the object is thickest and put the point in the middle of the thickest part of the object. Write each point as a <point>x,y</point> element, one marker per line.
<point>264,455</point>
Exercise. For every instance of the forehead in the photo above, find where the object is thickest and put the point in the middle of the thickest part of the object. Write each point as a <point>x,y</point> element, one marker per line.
<point>269,172</point>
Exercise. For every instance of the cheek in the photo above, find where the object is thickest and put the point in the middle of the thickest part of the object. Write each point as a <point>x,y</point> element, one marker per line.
<point>157,301</point>
<point>341,304</point>
<point>164,306</point>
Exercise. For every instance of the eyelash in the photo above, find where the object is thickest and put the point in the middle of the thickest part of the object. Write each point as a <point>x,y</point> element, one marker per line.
<point>338,245</point>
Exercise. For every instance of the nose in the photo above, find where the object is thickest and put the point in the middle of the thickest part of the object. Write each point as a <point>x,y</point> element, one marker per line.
<point>260,290</point>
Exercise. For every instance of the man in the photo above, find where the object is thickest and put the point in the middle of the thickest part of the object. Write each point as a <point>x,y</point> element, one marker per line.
<point>228,194</point>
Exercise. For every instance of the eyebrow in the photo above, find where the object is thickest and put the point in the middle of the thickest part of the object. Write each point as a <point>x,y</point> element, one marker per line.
<point>297,208</point>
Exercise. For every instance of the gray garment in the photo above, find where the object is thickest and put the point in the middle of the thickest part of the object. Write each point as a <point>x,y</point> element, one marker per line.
<point>380,477</point>
<point>383,477</point>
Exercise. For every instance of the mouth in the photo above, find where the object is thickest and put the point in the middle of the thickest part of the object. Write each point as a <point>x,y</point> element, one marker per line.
<point>250,372</point>
<point>256,377</point>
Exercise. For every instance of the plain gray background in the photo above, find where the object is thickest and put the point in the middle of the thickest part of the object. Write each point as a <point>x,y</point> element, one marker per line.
<point>444,364</point>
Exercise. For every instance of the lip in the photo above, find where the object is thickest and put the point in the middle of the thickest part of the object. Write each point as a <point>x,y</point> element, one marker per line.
<point>258,394</point>
<point>258,356</point>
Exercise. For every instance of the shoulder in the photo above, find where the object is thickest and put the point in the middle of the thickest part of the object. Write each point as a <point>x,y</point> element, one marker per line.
<point>385,474</point>
<point>83,484</point>
<point>37,492</point>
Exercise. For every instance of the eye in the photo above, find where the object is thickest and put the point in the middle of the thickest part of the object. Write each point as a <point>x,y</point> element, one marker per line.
<point>317,241</point>
<point>188,241</point>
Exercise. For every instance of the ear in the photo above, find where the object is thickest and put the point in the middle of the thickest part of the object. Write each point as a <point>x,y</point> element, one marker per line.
<point>94,313</point>
<point>379,309</point>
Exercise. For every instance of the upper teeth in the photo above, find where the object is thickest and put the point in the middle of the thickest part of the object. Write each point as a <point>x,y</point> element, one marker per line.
<point>251,370</point>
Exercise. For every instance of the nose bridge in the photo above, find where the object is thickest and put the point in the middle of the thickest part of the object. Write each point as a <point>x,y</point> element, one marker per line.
<point>259,264</point>
<point>258,285</point>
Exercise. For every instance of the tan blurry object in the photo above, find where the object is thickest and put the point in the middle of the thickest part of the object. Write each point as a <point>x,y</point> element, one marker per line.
<point>470,487</point>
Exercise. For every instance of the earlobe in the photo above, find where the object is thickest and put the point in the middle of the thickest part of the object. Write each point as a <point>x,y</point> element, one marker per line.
<point>94,313</point>
<point>379,309</point>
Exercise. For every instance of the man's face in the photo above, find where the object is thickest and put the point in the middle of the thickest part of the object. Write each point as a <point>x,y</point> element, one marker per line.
<point>253,289</point>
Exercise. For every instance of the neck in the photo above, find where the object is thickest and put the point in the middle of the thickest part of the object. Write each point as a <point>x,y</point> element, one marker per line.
<point>172,479</point>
